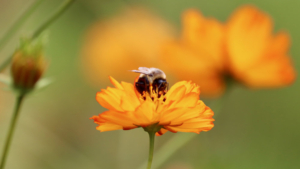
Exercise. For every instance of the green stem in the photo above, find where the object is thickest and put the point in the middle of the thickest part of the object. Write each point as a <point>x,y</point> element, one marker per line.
<point>12,127</point>
<point>15,27</point>
<point>151,148</point>
<point>64,6</point>
<point>40,29</point>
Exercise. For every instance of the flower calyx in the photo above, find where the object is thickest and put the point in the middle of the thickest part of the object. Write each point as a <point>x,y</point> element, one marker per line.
<point>153,128</point>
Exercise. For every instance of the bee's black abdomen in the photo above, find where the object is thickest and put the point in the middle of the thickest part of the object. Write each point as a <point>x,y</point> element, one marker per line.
<point>160,85</point>
<point>142,85</point>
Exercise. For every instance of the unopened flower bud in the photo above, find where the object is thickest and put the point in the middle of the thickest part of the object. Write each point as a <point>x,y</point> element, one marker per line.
<point>28,65</point>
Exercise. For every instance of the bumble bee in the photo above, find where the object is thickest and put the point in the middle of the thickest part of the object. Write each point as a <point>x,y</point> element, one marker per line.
<point>151,77</point>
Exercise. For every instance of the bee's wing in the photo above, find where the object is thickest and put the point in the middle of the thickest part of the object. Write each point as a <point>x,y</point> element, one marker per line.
<point>142,70</point>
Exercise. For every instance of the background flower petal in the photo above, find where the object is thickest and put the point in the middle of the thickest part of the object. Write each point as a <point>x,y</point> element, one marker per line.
<point>248,35</point>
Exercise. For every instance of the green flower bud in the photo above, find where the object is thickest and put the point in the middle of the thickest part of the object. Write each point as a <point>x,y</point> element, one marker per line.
<point>28,65</point>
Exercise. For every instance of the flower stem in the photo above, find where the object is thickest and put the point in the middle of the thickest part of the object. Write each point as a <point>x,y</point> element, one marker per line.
<point>40,29</point>
<point>64,6</point>
<point>14,119</point>
<point>14,28</point>
<point>151,148</point>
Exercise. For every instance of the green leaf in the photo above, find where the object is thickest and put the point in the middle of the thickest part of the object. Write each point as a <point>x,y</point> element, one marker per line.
<point>43,83</point>
<point>6,79</point>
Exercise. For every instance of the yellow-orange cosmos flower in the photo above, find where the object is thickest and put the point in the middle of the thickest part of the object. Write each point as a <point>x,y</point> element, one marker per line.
<point>244,49</point>
<point>257,57</point>
<point>180,110</point>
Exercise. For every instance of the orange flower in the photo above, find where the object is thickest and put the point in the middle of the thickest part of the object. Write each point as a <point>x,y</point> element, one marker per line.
<point>179,110</point>
<point>243,49</point>
<point>258,58</point>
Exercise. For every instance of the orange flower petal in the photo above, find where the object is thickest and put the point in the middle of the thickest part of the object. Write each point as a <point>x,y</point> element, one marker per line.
<point>275,73</point>
<point>198,123</point>
<point>145,113</point>
<point>204,35</point>
<point>161,132</point>
<point>193,113</point>
<point>189,100</point>
<point>171,114</point>
<point>129,100</point>
<point>248,34</point>
<point>175,87</point>
<point>204,122</point>
<point>120,118</point>
<point>192,88</point>
<point>109,99</point>
<point>115,83</point>
<point>129,103</point>
<point>177,92</point>
<point>128,87</point>
<point>109,127</point>
<point>176,129</point>
<point>280,44</point>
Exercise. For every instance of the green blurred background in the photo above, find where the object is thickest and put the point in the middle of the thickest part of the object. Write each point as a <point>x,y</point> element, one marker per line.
<point>255,128</point>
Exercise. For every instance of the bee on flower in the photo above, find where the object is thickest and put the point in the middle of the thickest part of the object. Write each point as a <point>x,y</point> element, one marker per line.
<point>151,79</point>
<point>149,104</point>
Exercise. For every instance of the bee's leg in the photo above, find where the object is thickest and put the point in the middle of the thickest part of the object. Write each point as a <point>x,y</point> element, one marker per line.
<point>145,84</point>
<point>144,95</point>
<point>157,90</point>
<point>159,86</point>
<point>165,91</point>
<point>167,88</point>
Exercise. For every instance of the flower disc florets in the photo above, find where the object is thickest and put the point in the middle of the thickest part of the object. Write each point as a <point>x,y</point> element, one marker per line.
<point>178,110</point>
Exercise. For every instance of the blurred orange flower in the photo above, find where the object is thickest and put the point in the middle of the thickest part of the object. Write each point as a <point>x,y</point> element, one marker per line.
<point>130,39</point>
<point>244,49</point>
<point>180,110</point>
<point>257,57</point>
